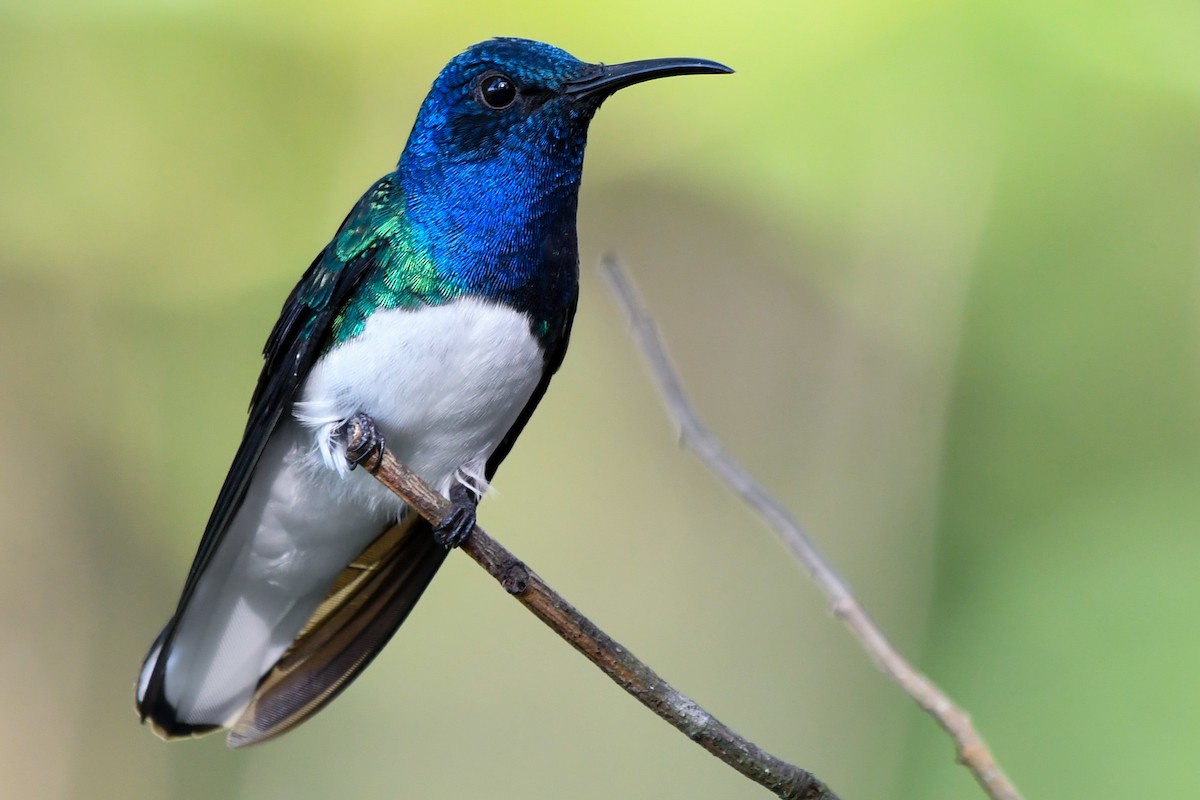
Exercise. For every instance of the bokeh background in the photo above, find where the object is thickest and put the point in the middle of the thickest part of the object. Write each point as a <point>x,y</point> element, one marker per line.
<point>929,268</point>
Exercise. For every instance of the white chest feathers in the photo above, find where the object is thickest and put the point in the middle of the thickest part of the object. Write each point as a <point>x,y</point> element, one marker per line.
<point>443,384</point>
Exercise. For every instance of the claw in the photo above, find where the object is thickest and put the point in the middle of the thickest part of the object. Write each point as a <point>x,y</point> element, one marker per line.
<point>370,442</point>
<point>459,523</point>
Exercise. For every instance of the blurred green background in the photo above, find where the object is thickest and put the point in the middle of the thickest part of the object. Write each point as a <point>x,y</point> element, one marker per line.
<point>929,269</point>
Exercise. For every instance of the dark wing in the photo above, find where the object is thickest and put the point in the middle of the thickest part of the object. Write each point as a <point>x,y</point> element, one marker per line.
<point>368,601</point>
<point>364,608</point>
<point>296,341</point>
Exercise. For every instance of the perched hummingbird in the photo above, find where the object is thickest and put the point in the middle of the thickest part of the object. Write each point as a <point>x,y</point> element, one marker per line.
<point>435,318</point>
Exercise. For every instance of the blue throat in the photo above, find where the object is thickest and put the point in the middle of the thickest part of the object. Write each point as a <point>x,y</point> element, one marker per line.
<point>501,227</point>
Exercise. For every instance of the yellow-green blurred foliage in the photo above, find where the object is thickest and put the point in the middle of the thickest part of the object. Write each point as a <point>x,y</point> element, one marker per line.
<point>929,268</point>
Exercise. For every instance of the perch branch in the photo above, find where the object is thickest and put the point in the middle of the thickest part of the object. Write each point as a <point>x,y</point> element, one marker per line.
<point>784,779</point>
<point>972,752</point>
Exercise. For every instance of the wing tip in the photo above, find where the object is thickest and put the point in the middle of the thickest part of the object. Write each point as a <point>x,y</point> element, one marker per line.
<point>244,734</point>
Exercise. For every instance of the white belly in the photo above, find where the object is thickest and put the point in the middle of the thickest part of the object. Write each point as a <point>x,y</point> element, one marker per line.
<point>443,384</point>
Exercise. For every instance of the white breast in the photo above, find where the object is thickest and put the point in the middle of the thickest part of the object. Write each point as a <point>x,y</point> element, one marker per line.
<point>443,383</point>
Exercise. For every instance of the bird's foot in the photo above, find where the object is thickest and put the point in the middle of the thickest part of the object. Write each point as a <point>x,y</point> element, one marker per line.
<point>459,523</point>
<point>369,442</point>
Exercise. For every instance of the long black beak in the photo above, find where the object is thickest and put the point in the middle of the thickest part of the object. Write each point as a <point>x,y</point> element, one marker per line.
<point>604,79</point>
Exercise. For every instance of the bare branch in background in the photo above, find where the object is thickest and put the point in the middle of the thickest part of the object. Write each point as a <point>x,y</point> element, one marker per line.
<point>973,753</point>
<point>784,779</point>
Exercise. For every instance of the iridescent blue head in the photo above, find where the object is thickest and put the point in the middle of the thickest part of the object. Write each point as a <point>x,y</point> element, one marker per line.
<point>492,167</point>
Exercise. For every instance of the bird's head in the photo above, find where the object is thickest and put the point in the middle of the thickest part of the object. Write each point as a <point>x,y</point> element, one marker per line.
<point>493,163</point>
<point>522,104</point>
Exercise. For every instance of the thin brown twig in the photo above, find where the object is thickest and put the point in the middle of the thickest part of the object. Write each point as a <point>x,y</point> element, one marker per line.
<point>973,753</point>
<point>785,780</point>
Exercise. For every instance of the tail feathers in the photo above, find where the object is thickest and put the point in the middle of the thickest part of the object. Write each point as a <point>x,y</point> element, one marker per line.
<point>152,705</point>
<point>360,612</point>
<point>367,604</point>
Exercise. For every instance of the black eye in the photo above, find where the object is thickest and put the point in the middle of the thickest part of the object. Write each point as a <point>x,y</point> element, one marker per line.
<point>498,91</point>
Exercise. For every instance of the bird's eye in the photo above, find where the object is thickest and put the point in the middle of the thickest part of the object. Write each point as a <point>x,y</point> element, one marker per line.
<point>498,91</point>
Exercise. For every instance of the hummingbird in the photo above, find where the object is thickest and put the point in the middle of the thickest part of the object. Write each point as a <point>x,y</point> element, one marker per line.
<point>434,319</point>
